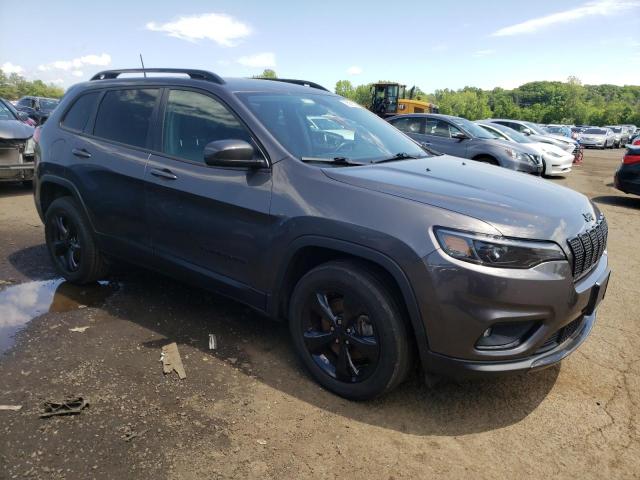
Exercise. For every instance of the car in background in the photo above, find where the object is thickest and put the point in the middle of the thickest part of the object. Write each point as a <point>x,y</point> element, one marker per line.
<point>627,177</point>
<point>37,108</point>
<point>23,117</point>
<point>598,137</point>
<point>563,130</point>
<point>576,132</point>
<point>16,147</point>
<point>555,160</point>
<point>531,129</point>
<point>620,134</point>
<point>330,125</point>
<point>461,138</point>
<point>633,130</point>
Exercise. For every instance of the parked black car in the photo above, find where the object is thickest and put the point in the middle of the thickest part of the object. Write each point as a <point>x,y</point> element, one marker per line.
<point>371,248</point>
<point>462,138</point>
<point>37,108</point>
<point>627,177</point>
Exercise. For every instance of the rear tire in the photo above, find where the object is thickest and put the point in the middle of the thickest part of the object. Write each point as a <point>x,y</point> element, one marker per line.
<point>71,243</point>
<point>348,331</point>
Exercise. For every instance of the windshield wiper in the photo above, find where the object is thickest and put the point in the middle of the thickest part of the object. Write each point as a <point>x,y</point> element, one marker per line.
<point>400,156</point>
<point>334,161</point>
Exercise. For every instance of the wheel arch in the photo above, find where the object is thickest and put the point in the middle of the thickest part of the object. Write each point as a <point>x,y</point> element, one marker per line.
<point>51,187</point>
<point>307,252</point>
<point>486,157</point>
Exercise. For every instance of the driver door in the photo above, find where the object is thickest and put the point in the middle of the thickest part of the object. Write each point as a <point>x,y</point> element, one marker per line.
<point>209,221</point>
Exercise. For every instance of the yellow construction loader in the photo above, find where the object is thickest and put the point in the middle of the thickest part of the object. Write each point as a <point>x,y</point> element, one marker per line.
<point>388,99</point>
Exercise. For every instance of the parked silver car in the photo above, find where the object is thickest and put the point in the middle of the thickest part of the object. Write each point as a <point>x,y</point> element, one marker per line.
<point>16,147</point>
<point>598,138</point>
<point>621,134</point>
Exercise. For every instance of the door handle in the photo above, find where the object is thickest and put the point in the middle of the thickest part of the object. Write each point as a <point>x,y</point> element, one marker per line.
<point>164,173</point>
<point>81,152</point>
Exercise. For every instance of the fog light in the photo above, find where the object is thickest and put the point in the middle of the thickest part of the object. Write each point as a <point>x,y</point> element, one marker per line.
<point>503,336</point>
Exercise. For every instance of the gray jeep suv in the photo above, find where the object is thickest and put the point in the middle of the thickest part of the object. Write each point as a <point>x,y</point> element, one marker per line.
<point>372,249</point>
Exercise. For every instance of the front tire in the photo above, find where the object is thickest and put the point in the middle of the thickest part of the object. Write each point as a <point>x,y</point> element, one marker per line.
<point>348,330</point>
<point>71,244</point>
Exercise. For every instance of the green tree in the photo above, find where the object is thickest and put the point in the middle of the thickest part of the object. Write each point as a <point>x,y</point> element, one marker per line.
<point>15,86</point>
<point>344,88</point>
<point>267,73</point>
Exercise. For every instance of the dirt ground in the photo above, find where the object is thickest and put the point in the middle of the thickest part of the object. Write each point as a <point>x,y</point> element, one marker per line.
<point>247,409</point>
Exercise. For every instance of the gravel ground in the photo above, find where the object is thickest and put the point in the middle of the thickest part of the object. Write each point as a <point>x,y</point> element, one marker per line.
<point>247,410</point>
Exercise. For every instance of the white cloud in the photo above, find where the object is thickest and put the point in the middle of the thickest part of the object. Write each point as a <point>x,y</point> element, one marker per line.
<point>484,53</point>
<point>596,8</point>
<point>259,60</point>
<point>10,68</point>
<point>57,81</point>
<point>220,28</point>
<point>95,60</point>
<point>77,73</point>
<point>354,70</point>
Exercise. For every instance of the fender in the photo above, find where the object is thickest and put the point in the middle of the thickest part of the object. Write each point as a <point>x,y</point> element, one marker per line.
<point>366,253</point>
<point>63,182</point>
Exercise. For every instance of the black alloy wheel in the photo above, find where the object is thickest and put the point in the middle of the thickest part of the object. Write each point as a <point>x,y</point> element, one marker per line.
<point>339,336</point>
<point>66,245</point>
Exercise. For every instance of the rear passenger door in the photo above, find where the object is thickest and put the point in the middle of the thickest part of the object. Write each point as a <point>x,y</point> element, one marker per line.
<point>209,222</point>
<point>107,155</point>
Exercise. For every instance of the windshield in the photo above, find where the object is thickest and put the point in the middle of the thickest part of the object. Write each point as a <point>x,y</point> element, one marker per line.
<point>325,126</point>
<point>48,104</point>
<point>595,131</point>
<point>475,130</point>
<point>536,129</point>
<point>616,129</point>
<point>5,112</point>
<point>514,135</point>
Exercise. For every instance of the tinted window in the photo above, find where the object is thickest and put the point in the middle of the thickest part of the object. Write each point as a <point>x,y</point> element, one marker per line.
<point>192,120</point>
<point>440,128</point>
<point>409,124</point>
<point>25,102</point>
<point>78,116</point>
<point>124,116</point>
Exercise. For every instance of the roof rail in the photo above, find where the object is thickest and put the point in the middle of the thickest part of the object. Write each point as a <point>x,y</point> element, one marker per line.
<point>195,74</point>
<point>303,83</point>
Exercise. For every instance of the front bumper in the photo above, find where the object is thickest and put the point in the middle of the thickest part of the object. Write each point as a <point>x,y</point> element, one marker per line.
<point>466,300</point>
<point>558,165</point>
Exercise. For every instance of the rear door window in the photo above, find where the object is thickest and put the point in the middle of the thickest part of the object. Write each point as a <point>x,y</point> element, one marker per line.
<point>125,115</point>
<point>440,128</point>
<point>409,124</point>
<point>79,114</point>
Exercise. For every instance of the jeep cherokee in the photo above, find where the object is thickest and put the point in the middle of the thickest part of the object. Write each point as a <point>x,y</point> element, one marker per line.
<point>374,249</point>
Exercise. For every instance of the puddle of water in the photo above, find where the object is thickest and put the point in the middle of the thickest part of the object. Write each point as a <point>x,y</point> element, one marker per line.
<point>21,303</point>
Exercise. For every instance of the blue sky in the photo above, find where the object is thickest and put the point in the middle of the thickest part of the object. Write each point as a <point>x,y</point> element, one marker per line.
<point>440,45</point>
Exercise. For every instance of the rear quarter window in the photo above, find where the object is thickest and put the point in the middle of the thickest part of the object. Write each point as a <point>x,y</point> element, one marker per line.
<point>77,117</point>
<point>125,115</point>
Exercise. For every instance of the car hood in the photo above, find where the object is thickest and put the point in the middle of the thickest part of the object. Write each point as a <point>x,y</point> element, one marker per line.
<point>550,148</point>
<point>14,130</point>
<point>517,204</point>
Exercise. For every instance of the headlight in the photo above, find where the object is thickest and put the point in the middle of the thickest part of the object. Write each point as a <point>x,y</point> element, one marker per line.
<point>29,146</point>
<point>495,251</point>
<point>520,157</point>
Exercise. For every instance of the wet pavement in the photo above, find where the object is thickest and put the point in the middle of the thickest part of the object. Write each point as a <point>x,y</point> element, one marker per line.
<point>248,410</point>
<point>21,303</point>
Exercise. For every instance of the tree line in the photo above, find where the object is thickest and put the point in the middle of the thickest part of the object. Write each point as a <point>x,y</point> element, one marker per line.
<point>568,102</point>
<point>14,86</point>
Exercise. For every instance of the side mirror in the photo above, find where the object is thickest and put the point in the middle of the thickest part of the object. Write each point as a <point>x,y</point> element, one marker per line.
<point>459,136</point>
<point>22,116</point>
<point>231,153</point>
<point>527,132</point>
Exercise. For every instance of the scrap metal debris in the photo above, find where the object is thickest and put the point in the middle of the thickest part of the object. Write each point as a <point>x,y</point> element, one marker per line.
<point>13,408</point>
<point>171,360</point>
<point>78,329</point>
<point>213,342</point>
<point>70,406</point>
<point>129,434</point>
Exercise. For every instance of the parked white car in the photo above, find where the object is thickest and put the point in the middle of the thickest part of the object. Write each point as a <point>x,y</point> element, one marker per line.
<point>556,160</point>
<point>537,134</point>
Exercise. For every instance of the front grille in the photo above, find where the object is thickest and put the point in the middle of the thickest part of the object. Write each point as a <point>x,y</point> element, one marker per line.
<point>587,248</point>
<point>560,336</point>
